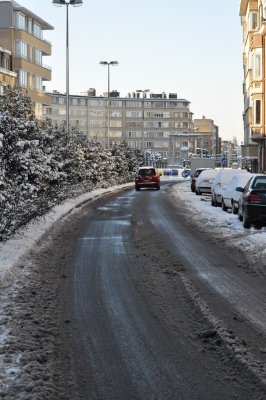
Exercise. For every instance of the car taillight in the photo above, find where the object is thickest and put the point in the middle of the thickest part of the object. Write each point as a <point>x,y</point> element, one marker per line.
<point>254,197</point>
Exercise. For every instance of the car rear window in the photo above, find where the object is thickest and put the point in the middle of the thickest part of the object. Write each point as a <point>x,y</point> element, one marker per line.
<point>198,172</point>
<point>147,171</point>
<point>259,183</point>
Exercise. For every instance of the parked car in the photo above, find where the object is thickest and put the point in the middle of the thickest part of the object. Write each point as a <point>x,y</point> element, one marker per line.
<point>194,177</point>
<point>205,181</point>
<point>220,184</point>
<point>231,196</point>
<point>252,203</point>
<point>147,177</point>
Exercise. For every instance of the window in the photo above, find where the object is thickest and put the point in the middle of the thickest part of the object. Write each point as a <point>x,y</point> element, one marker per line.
<point>134,104</point>
<point>115,134</point>
<point>257,112</point>
<point>151,114</point>
<point>22,78</point>
<point>99,103</point>
<point>61,100</point>
<point>253,20</point>
<point>82,113</point>
<point>115,103</point>
<point>116,114</point>
<point>29,25</point>
<point>134,145</point>
<point>61,111</point>
<point>132,114</point>
<point>134,124</point>
<point>38,56</point>
<point>20,21</point>
<point>21,49</point>
<point>257,65</point>
<point>31,81</point>
<point>97,113</point>
<point>30,53</point>
<point>97,124</point>
<point>82,102</point>
<point>74,113</point>
<point>134,134</point>
<point>6,63</point>
<point>116,124</point>
<point>74,102</point>
<point>37,31</point>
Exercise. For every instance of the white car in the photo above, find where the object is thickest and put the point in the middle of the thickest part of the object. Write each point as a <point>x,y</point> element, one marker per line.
<point>205,181</point>
<point>220,183</point>
<point>231,196</point>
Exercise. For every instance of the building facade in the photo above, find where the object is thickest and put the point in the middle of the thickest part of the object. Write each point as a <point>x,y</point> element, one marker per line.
<point>21,33</point>
<point>253,19</point>
<point>158,123</point>
<point>207,136</point>
<point>7,77</point>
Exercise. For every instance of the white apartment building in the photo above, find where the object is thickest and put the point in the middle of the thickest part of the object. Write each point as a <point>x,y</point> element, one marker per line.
<point>159,122</point>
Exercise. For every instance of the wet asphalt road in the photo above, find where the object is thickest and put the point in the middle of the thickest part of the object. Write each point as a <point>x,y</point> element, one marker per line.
<point>133,322</point>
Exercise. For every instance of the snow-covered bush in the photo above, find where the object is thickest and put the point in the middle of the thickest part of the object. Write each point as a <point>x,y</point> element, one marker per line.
<point>41,164</point>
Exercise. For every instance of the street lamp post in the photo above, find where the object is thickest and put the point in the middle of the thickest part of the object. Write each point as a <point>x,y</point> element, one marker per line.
<point>74,3</point>
<point>108,63</point>
<point>143,115</point>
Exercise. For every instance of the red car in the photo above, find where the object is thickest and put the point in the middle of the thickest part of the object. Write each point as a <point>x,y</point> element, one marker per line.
<point>147,177</point>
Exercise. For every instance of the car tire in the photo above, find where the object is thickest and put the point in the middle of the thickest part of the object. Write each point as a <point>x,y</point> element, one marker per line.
<point>158,188</point>
<point>192,189</point>
<point>137,188</point>
<point>224,208</point>
<point>234,209</point>
<point>239,216</point>
<point>197,192</point>
<point>246,220</point>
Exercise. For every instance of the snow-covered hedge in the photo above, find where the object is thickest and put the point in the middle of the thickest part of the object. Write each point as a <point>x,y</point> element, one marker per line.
<point>41,164</point>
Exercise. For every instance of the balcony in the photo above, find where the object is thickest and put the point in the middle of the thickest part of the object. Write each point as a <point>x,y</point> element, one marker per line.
<point>34,41</point>
<point>36,69</point>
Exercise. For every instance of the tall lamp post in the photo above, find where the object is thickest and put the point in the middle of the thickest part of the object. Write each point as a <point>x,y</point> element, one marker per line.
<point>108,63</point>
<point>74,3</point>
<point>144,92</point>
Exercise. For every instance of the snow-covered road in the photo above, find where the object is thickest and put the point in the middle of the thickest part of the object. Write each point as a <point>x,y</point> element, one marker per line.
<point>16,273</point>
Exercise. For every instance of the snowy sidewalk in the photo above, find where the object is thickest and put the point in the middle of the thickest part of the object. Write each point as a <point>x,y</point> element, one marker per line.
<point>16,248</point>
<point>223,225</point>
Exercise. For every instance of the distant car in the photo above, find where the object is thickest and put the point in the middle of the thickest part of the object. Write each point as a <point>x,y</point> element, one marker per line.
<point>194,177</point>
<point>220,183</point>
<point>205,181</point>
<point>147,177</point>
<point>231,196</point>
<point>252,203</point>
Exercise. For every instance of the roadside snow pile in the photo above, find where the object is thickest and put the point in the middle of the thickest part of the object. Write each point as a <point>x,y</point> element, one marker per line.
<point>224,225</point>
<point>41,164</point>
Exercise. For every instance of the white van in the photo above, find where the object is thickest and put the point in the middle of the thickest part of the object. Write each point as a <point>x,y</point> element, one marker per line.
<point>220,184</point>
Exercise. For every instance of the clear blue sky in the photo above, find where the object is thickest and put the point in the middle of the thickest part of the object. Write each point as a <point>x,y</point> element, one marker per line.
<point>191,47</point>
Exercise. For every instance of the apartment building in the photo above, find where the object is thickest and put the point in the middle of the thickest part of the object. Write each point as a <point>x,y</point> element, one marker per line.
<point>21,33</point>
<point>207,135</point>
<point>157,122</point>
<point>7,77</point>
<point>253,20</point>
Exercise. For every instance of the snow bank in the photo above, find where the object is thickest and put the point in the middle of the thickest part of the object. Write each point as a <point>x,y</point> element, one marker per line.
<point>223,224</point>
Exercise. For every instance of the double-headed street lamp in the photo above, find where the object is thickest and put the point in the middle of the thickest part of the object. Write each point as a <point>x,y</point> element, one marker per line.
<point>108,63</point>
<point>144,92</point>
<point>74,3</point>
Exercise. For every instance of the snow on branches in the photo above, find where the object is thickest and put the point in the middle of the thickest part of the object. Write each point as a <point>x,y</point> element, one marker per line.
<point>41,164</point>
